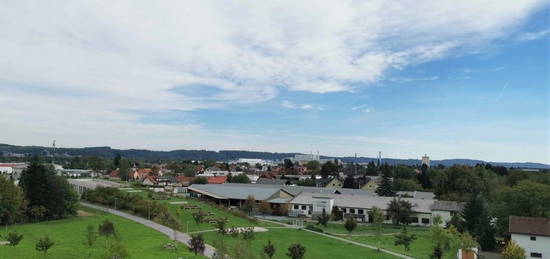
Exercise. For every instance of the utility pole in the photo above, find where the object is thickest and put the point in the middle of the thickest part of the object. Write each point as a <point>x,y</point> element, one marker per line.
<point>115,203</point>
<point>355,165</point>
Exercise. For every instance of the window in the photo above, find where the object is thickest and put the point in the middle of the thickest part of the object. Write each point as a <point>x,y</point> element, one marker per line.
<point>296,207</point>
<point>414,219</point>
<point>360,212</point>
<point>425,221</point>
<point>534,238</point>
<point>304,207</point>
<point>536,255</point>
<point>351,210</point>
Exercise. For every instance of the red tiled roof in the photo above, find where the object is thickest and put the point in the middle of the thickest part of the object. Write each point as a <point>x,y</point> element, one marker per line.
<point>529,226</point>
<point>144,171</point>
<point>217,179</point>
<point>152,179</point>
<point>113,173</point>
<point>184,179</point>
<point>8,165</point>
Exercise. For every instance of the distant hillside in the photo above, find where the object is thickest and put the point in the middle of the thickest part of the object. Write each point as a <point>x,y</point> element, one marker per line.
<point>108,152</point>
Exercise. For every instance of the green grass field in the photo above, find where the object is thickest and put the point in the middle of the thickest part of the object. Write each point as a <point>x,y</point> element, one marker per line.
<point>68,235</point>
<point>317,247</point>
<point>421,248</point>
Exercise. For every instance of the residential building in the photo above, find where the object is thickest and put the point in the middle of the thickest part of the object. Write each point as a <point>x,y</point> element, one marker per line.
<point>532,234</point>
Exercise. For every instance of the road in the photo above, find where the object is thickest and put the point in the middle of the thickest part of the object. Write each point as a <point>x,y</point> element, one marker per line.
<point>181,237</point>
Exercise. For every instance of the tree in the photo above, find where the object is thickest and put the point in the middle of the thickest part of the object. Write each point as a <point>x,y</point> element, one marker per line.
<point>350,224</point>
<point>248,234</point>
<point>526,198</point>
<point>117,250</point>
<point>288,164</point>
<point>313,166</point>
<point>12,202</point>
<point>296,251</point>
<point>404,239</point>
<point>405,185</point>
<point>513,251</point>
<point>337,214</point>
<point>107,229</point>
<point>42,187</point>
<point>385,186</point>
<point>37,212</point>
<point>116,160</point>
<point>437,252</point>
<point>200,180</point>
<point>323,218</point>
<point>14,238</point>
<point>241,178</point>
<point>124,169</point>
<point>190,170</point>
<point>250,204</point>
<point>265,208</point>
<point>91,237</point>
<point>269,249</point>
<point>44,244</point>
<point>477,221</point>
<point>377,221</point>
<point>400,211</point>
<point>328,168</point>
<point>196,244</point>
<point>220,225</point>
<point>198,217</point>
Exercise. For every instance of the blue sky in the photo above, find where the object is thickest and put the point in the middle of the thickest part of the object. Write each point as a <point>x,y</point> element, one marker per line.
<point>463,80</point>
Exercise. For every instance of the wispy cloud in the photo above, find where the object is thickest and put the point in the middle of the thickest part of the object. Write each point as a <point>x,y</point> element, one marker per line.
<point>296,106</point>
<point>362,108</point>
<point>413,79</point>
<point>525,36</point>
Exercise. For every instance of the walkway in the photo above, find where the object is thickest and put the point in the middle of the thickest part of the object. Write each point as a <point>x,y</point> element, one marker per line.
<point>342,239</point>
<point>181,237</point>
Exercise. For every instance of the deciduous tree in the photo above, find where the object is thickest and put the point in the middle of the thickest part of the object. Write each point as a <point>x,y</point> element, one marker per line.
<point>513,251</point>
<point>269,249</point>
<point>43,245</point>
<point>350,224</point>
<point>196,244</point>
<point>296,251</point>
<point>404,239</point>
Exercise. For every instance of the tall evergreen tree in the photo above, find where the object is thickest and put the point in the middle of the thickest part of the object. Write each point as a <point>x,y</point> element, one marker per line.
<point>478,222</point>
<point>42,187</point>
<point>385,188</point>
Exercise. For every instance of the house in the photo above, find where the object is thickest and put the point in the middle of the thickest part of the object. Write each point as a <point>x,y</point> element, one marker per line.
<point>114,174</point>
<point>149,181</point>
<point>447,209</point>
<point>141,173</point>
<point>532,234</point>
<point>217,179</point>
<point>335,182</point>
<point>372,184</point>
<point>184,181</point>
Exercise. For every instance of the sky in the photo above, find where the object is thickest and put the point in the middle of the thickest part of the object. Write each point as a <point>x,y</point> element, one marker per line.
<point>451,79</point>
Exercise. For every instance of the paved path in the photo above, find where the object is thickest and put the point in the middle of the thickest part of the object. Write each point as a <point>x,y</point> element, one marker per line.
<point>341,239</point>
<point>181,237</point>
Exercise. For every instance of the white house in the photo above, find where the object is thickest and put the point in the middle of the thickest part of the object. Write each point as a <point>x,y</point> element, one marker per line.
<point>532,234</point>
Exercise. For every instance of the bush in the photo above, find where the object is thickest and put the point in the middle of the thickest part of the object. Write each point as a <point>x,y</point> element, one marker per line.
<point>314,228</point>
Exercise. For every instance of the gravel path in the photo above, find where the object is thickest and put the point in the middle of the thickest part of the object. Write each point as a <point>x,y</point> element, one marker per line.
<point>181,237</point>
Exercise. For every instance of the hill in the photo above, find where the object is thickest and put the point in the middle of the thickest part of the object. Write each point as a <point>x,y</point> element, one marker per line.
<point>224,155</point>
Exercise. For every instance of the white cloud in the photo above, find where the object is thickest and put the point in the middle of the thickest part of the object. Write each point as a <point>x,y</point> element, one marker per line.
<point>296,106</point>
<point>74,66</point>
<point>525,36</point>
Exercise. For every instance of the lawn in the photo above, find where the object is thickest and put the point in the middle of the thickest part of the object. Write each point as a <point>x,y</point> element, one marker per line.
<point>317,246</point>
<point>68,235</point>
<point>422,247</point>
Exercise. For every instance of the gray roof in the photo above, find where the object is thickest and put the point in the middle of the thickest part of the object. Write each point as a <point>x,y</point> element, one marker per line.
<point>419,195</point>
<point>272,181</point>
<point>235,191</point>
<point>448,205</point>
<point>295,189</point>
<point>362,201</point>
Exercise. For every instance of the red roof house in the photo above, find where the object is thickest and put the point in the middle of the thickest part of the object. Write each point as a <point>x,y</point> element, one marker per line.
<point>217,179</point>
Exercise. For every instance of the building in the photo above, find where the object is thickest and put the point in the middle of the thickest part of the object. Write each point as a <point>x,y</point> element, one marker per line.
<point>447,209</point>
<point>532,234</point>
<point>304,201</point>
<point>426,160</point>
